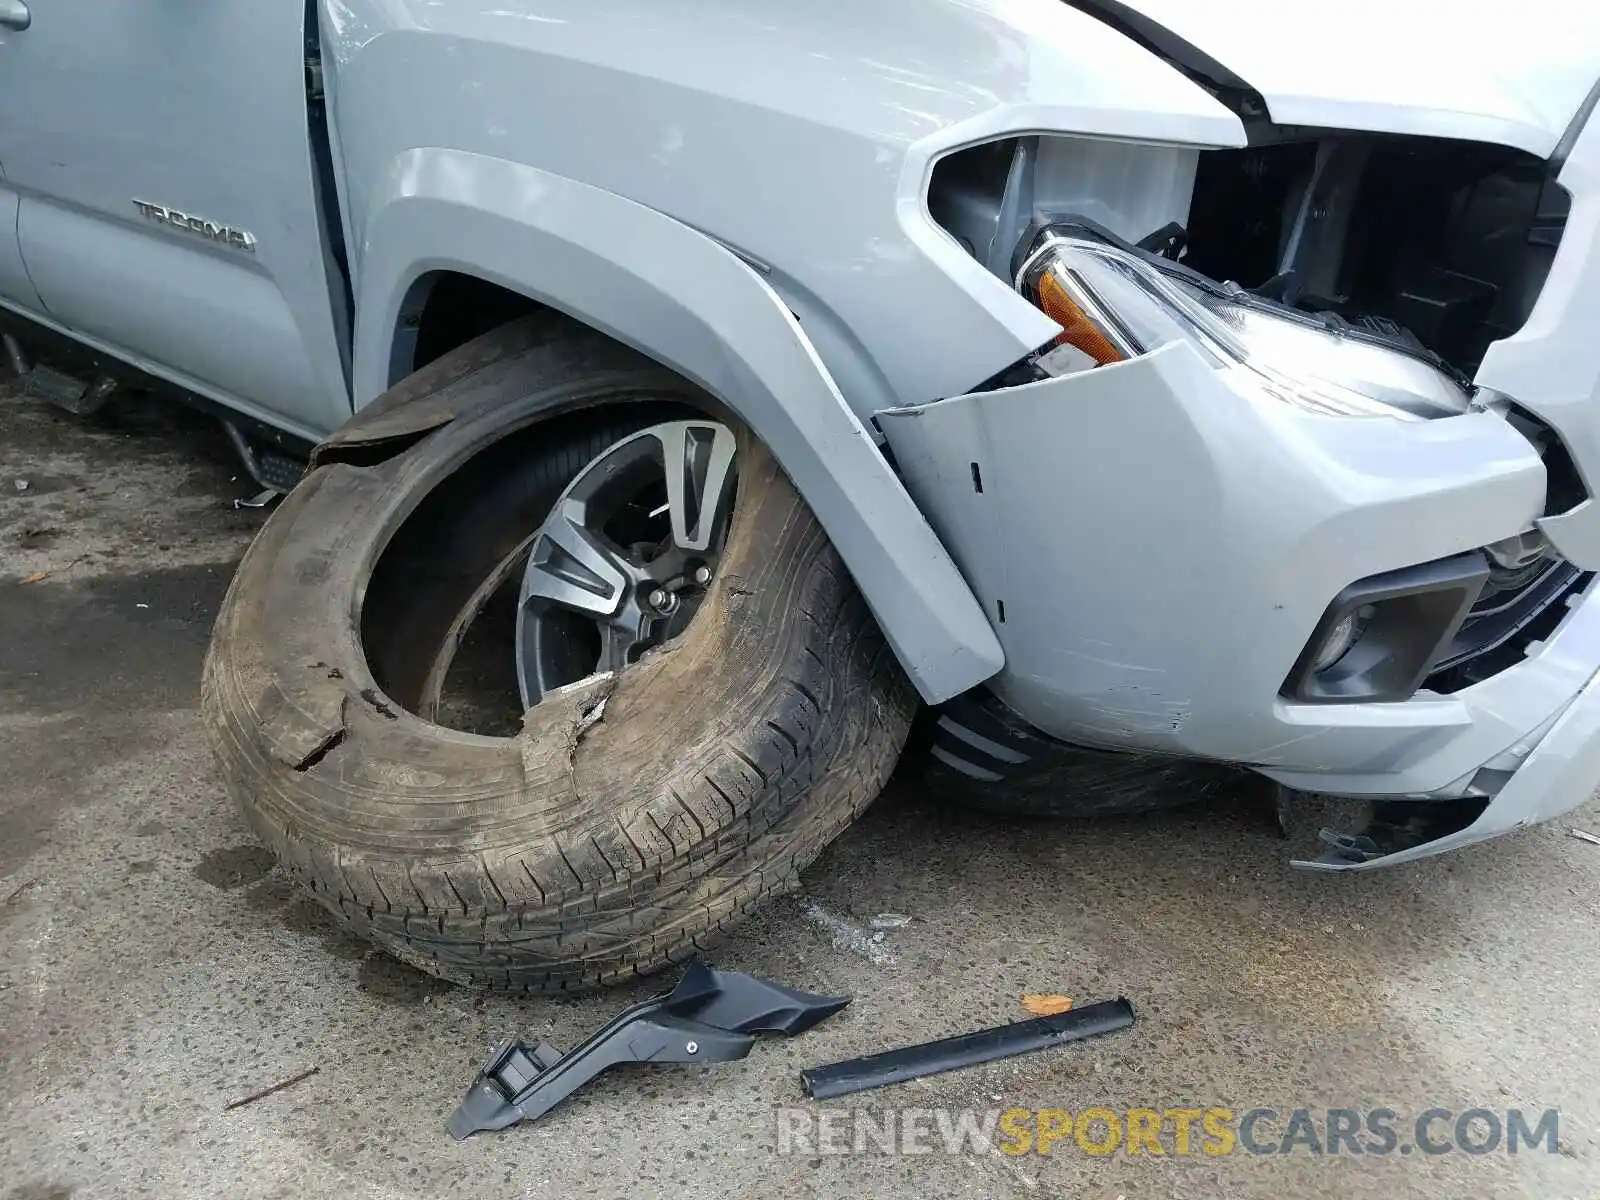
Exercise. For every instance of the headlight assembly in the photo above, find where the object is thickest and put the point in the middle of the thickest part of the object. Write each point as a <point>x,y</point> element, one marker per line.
<point>1114,302</point>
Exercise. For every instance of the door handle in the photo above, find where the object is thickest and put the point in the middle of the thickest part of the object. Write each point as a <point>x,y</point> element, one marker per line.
<point>14,14</point>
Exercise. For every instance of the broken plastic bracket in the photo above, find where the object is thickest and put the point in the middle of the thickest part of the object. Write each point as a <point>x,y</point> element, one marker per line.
<point>1349,847</point>
<point>1393,826</point>
<point>711,1016</point>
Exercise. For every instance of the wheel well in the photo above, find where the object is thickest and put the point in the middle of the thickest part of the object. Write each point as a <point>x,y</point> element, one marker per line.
<point>446,309</point>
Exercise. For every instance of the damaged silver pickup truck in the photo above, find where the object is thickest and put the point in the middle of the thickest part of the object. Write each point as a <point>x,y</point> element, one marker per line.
<point>686,394</point>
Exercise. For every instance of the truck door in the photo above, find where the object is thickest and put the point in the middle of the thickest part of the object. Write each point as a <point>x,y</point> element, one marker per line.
<point>16,291</point>
<point>169,195</point>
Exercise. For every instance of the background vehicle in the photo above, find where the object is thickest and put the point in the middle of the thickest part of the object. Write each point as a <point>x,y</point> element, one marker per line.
<point>1113,377</point>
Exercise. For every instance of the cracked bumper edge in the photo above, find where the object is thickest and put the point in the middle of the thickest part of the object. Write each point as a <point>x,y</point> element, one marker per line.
<point>1559,774</point>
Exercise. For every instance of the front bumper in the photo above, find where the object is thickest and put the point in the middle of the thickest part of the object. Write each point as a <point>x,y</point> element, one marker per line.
<point>1557,774</point>
<point>1155,549</point>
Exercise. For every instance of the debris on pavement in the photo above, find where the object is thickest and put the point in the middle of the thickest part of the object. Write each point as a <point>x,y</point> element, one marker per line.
<point>710,1017</point>
<point>267,1091</point>
<point>890,920</point>
<point>36,577</point>
<point>1046,1005</point>
<point>1583,835</point>
<point>22,887</point>
<point>965,1050</point>
<point>845,934</point>
<point>22,485</point>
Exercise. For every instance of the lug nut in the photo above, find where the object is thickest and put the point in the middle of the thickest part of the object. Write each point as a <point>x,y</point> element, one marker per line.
<point>702,575</point>
<point>657,599</point>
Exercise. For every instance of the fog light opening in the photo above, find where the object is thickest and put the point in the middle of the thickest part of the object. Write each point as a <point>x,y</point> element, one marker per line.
<point>1339,639</point>
<point>1381,635</point>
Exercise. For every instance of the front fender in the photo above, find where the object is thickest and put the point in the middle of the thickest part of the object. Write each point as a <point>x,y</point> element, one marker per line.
<point>676,295</point>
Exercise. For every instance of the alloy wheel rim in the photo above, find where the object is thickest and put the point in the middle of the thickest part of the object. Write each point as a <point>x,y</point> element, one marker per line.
<point>624,558</point>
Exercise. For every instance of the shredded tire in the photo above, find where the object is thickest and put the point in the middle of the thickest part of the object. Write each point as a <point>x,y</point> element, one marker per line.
<point>635,817</point>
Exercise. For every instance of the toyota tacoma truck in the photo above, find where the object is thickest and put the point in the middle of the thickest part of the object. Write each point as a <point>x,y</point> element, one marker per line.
<point>672,400</point>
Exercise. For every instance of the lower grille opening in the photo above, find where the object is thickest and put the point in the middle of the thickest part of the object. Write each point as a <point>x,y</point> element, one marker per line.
<point>1506,620</point>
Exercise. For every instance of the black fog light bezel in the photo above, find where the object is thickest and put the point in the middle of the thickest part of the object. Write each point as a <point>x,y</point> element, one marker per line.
<point>1407,620</point>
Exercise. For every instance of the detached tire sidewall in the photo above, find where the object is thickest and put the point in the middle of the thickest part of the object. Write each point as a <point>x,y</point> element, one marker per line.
<point>633,815</point>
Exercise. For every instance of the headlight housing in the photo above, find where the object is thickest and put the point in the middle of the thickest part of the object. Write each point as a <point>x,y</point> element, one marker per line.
<point>1114,302</point>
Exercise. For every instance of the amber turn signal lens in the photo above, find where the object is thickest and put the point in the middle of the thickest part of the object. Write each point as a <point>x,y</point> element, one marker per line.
<point>1077,327</point>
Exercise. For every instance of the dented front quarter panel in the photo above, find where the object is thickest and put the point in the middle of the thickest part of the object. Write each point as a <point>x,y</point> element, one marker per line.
<point>800,135</point>
<point>1164,544</point>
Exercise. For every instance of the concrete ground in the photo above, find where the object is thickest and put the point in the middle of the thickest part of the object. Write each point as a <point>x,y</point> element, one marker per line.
<point>156,966</point>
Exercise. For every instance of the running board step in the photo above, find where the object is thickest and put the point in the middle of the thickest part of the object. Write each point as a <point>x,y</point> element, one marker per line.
<point>67,392</point>
<point>273,469</point>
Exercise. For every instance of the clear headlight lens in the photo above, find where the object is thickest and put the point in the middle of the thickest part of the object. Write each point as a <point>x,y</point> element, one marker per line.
<point>1114,303</point>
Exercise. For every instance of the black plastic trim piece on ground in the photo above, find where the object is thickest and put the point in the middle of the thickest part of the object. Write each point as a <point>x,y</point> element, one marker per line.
<point>967,1050</point>
<point>710,1017</point>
